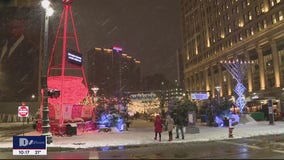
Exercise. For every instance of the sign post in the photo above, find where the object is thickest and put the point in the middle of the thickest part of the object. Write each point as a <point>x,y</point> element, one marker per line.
<point>23,111</point>
<point>270,112</point>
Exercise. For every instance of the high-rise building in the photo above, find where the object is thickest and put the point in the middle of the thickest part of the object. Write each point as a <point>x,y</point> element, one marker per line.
<point>112,71</point>
<point>219,30</point>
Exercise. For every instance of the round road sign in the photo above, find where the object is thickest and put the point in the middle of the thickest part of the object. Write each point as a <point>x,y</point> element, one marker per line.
<point>23,111</point>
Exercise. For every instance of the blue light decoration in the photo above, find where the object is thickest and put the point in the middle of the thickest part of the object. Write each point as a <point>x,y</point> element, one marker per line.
<point>121,148</point>
<point>239,90</point>
<point>106,148</point>
<point>107,120</point>
<point>220,118</point>
<point>237,68</point>
<point>119,124</point>
<point>219,121</point>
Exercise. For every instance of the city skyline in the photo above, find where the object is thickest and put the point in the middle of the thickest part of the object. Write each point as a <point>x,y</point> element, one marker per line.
<point>147,30</point>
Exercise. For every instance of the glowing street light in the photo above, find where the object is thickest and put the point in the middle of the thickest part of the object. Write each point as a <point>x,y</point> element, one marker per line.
<point>95,90</point>
<point>45,111</point>
<point>45,4</point>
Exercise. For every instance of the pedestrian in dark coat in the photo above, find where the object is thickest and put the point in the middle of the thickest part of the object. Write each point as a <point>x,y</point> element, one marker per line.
<point>158,127</point>
<point>179,122</point>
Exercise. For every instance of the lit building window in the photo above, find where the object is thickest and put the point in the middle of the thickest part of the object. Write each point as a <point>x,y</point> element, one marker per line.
<point>248,2</point>
<point>264,24</point>
<point>264,8</point>
<point>222,35</point>
<point>229,28</point>
<point>241,38</point>
<point>224,78</point>
<point>277,1</point>
<point>280,15</point>
<point>251,31</point>
<point>250,15</point>
<point>274,20</point>
<point>241,23</point>
<point>272,3</point>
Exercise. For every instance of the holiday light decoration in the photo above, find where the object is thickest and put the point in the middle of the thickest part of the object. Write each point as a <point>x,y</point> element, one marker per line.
<point>65,70</point>
<point>237,68</point>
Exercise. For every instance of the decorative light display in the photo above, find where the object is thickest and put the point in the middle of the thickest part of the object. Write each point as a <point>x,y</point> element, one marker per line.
<point>143,103</point>
<point>74,91</point>
<point>237,68</point>
<point>73,88</point>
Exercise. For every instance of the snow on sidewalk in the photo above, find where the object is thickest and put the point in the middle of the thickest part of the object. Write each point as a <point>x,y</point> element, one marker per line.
<point>141,136</point>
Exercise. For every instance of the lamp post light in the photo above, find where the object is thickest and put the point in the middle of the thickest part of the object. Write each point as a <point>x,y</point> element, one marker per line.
<point>162,104</point>
<point>218,93</point>
<point>45,111</point>
<point>95,90</point>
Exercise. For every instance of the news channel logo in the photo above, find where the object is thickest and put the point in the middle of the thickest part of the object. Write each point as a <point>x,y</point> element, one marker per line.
<point>29,142</point>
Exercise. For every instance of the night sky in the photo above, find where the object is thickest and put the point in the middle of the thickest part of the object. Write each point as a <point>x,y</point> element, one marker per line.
<point>148,30</point>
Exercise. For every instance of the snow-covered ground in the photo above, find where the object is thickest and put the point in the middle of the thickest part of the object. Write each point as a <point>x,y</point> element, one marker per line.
<point>143,134</point>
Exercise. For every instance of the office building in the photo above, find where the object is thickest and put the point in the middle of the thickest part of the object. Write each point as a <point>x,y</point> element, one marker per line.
<point>227,30</point>
<point>112,71</point>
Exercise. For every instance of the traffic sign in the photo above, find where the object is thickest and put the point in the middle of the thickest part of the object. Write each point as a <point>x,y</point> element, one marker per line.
<point>23,111</point>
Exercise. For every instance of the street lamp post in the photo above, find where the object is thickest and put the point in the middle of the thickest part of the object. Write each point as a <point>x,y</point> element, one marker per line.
<point>270,112</point>
<point>162,99</point>
<point>95,90</point>
<point>45,110</point>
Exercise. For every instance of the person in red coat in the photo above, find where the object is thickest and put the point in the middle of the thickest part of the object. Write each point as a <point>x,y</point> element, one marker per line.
<point>158,127</point>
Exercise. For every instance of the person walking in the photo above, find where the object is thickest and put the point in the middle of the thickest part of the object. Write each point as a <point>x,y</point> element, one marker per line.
<point>179,122</point>
<point>170,124</point>
<point>158,127</point>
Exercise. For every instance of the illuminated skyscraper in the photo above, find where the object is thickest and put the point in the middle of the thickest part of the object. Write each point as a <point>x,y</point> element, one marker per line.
<point>218,30</point>
<point>112,71</point>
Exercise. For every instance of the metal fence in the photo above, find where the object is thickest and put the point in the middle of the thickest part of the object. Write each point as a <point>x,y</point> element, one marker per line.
<point>10,118</point>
